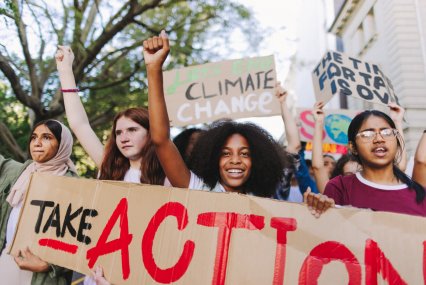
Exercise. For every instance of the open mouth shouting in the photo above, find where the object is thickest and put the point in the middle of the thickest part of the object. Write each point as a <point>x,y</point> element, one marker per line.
<point>380,151</point>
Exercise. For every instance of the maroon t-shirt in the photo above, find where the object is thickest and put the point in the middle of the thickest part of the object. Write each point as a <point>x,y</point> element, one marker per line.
<point>358,192</point>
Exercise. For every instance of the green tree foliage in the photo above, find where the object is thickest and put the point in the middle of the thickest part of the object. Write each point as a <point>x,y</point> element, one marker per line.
<point>106,37</point>
<point>14,126</point>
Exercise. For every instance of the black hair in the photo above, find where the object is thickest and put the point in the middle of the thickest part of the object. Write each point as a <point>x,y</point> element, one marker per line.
<point>308,162</point>
<point>329,156</point>
<point>341,162</point>
<point>353,129</point>
<point>53,126</point>
<point>268,158</point>
<point>182,140</point>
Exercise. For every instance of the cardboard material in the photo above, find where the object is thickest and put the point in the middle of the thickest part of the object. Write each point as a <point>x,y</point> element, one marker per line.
<point>228,89</point>
<point>196,237</point>
<point>338,73</point>
<point>336,125</point>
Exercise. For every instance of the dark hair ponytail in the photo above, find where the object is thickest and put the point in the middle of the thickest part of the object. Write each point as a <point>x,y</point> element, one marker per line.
<point>401,176</point>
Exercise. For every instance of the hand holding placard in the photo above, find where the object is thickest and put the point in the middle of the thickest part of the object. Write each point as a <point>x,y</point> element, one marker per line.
<point>318,112</point>
<point>396,113</point>
<point>281,93</point>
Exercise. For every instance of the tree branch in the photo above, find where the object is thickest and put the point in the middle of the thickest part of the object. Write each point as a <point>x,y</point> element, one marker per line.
<point>146,27</point>
<point>90,20</point>
<point>10,74</point>
<point>56,106</point>
<point>9,141</point>
<point>124,50</point>
<point>35,89</point>
<point>103,118</point>
<point>40,63</point>
<point>64,23</point>
<point>18,67</point>
<point>3,12</point>
<point>117,82</point>
<point>110,31</point>
<point>77,45</point>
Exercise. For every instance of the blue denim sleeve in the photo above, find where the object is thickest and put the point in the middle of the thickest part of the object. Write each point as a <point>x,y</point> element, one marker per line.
<point>302,175</point>
<point>283,188</point>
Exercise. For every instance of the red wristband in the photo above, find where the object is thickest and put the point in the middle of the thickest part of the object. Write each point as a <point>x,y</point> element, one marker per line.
<point>73,90</point>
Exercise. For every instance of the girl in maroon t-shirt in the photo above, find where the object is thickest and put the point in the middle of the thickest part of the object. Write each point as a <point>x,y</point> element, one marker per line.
<point>377,145</point>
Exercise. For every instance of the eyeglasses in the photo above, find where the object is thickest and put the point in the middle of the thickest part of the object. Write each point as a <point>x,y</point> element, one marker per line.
<point>368,136</point>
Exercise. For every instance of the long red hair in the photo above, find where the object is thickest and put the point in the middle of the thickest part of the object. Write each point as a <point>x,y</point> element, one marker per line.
<point>115,164</point>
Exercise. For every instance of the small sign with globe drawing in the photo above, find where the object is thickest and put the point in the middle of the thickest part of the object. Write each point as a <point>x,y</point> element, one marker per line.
<point>336,125</point>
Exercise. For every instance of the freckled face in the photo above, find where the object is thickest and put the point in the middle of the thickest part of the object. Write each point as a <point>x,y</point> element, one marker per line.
<point>130,138</point>
<point>43,144</point>
<point>235,163</point>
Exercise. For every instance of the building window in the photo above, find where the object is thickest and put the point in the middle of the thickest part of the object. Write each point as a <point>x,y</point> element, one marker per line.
<point>358,41</point>
<point>369,27</point>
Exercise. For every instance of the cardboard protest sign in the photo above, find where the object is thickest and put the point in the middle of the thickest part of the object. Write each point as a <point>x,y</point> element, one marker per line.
<point>228,89</point>
<point>159,235</point>
<point>336,125</point>
<point>338,73</point>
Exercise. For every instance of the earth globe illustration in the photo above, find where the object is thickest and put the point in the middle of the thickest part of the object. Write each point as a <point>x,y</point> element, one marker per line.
<point>336,126</point>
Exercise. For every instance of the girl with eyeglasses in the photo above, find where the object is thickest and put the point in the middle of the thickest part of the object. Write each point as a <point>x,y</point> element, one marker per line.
<point>377,145</point>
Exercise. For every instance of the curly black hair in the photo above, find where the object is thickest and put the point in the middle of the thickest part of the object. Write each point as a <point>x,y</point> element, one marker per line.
<point>182,141</point>
<point>268,158</point>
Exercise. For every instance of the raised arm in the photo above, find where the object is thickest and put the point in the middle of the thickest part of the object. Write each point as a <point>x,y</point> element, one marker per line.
<point>291,130</point>
<point>320,172</point>
<point>397,115</point>
<point>77,117</point>
<point>155,51</point>
<point>419,170</point>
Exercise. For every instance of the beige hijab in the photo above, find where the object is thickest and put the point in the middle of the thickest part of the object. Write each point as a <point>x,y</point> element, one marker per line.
<point>58,165</point>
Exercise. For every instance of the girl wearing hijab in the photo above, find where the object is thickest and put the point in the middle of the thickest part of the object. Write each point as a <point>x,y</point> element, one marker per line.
<point>50,148</point>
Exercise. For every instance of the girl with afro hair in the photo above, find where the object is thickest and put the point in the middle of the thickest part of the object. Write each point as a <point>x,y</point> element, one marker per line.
<point>230,156</point>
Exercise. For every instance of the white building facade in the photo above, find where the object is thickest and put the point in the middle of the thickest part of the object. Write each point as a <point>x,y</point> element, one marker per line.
<point>391,33</point>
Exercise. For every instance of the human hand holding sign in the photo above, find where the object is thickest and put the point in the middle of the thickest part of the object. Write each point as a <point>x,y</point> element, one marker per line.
<point>317,203</point>
<point>155,50</point>
<point>318,112</point>
<point>26,260</point>
<point>396,113</point>
<point>98,276</point>
<point>281,93</point>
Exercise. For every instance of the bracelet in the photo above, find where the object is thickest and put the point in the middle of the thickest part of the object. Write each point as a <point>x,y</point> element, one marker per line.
<point>73,90</point>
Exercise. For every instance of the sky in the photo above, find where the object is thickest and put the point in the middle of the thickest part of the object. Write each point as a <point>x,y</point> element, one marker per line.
<point>281,19</point>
